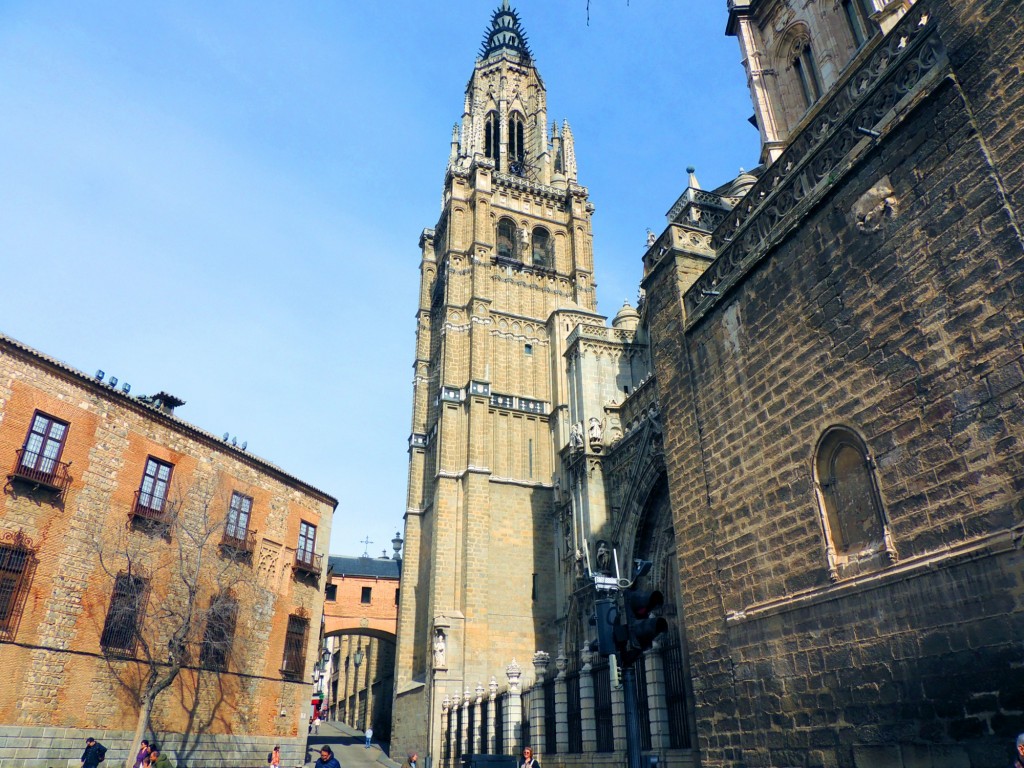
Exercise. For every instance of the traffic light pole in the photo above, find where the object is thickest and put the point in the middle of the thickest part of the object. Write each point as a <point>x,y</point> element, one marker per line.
<point>632,716</point>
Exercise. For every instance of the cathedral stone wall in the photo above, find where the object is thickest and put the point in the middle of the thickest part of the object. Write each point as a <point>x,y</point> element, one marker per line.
<point>894,308</point>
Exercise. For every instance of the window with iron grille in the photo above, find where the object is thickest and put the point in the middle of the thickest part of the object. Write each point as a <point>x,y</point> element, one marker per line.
<point>17,564</point>
<point>550,720</point>
<point>675,695</point>
<point>219,633</point>
<point>642,708</point>
<point>125,615</point>
<point>307,541</point>
<point>238,516</point>
<point>294,662</point>
<point>525,738</point>
<point>603,708</point>
<point>43,446</point>
<point>572,689</point>
<point>499,724</point>
<point>155,482</point>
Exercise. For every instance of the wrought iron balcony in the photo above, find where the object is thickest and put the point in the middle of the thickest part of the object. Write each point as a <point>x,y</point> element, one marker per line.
<point>308,563</point>
<point>242,542</point>
<point>150,508</point>
<point>40,471</point>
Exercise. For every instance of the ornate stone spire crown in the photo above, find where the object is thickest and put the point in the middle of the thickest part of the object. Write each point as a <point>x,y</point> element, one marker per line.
<point>506,34</point>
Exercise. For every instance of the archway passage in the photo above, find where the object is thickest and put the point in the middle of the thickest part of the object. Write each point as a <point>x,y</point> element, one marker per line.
<point>360,624</point>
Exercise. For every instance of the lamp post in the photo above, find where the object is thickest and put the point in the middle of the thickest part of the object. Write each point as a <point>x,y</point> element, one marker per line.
<point>357,659</point>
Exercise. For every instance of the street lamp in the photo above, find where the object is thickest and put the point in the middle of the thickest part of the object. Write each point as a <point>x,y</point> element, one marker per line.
<point>357,659</point>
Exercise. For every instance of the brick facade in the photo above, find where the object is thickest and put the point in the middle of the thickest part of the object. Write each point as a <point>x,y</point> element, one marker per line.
<point>63,684</point>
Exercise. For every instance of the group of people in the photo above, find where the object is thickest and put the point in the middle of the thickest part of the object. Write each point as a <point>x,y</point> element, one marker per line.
<point>148,756</point>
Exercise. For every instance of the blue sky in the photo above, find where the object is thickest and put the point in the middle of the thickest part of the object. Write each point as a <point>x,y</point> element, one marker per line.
<point>223,200</point>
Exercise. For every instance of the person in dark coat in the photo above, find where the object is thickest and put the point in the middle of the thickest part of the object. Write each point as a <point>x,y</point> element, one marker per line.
<point>528,761</point>
<point>157,760</point>
<point>1018,759</point>
<point>94,753</point>
<point>411,760</point>
<point>327,759</point>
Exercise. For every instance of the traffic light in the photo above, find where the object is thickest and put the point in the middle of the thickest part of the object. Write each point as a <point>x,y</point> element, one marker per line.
<point>641,625</point>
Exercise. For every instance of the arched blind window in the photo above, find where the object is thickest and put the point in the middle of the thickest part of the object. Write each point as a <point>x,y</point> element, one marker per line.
<point>853,511</point>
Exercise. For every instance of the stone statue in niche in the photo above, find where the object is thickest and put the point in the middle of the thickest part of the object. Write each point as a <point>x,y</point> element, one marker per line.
<point>596,431</point>
<point>440,649</point>
<point>604,558</point>
<point>576,436</point>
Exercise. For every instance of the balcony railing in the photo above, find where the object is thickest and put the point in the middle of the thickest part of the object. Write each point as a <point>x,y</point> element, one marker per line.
<point>46,473</point>
<point>242,542</point>
<point>148,507</point>
<point>307,563</point>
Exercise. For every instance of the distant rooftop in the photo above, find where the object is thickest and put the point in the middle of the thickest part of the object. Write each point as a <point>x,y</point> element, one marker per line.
<point>371,567</point>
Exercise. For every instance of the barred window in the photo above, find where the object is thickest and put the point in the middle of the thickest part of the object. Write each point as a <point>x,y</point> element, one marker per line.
<point>238,516</point>
<point>125,615</point>
<point>155,482</point>
<point>294,662</point>
<point>219,633</point>
<point>17,564</point>
<point>43,445</point>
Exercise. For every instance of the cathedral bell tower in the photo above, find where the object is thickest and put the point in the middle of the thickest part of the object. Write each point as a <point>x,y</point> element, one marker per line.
<point>506,273</point>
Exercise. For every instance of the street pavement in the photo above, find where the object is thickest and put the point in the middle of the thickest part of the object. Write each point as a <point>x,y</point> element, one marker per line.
<point>349,747</point>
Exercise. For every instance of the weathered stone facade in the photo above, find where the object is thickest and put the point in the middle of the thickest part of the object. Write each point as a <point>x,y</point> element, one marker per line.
<point>869,283</point>
<point>64,515</point>
<point>535,454</point>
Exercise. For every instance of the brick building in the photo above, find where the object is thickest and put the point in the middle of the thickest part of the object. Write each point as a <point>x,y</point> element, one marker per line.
<point>113,511</point>
<point>812,425</point>
<point>360,623</point>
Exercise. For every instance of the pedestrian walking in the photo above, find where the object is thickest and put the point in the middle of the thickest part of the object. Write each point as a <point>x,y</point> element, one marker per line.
<point>410,761</point>
<point>369,736</point>
<point>143,754</point>
<point>157,760</point>
<point>94,754</point>
<point>316,724</point>
<point>1018,758</point>
<point>274,757</point>
<point>528,761</point>
<point>327,759</point>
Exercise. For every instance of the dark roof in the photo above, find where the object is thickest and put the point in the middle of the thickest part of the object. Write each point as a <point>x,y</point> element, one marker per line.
<point>372,567</point>
<point>506,34</point>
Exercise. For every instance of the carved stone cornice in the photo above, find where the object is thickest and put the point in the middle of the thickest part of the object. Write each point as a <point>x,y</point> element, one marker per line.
<point>842,129</point>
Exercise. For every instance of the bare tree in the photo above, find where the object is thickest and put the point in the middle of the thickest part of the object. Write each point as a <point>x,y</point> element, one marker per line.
<point>178,574</point>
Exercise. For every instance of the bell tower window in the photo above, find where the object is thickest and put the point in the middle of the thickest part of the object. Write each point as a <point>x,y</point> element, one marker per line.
<point>516,145</point>
<point>492,138</point>
<point>542,248</point>
<point>506,244</point>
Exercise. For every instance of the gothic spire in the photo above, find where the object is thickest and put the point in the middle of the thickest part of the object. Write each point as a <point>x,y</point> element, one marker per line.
<point>506,34</point>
